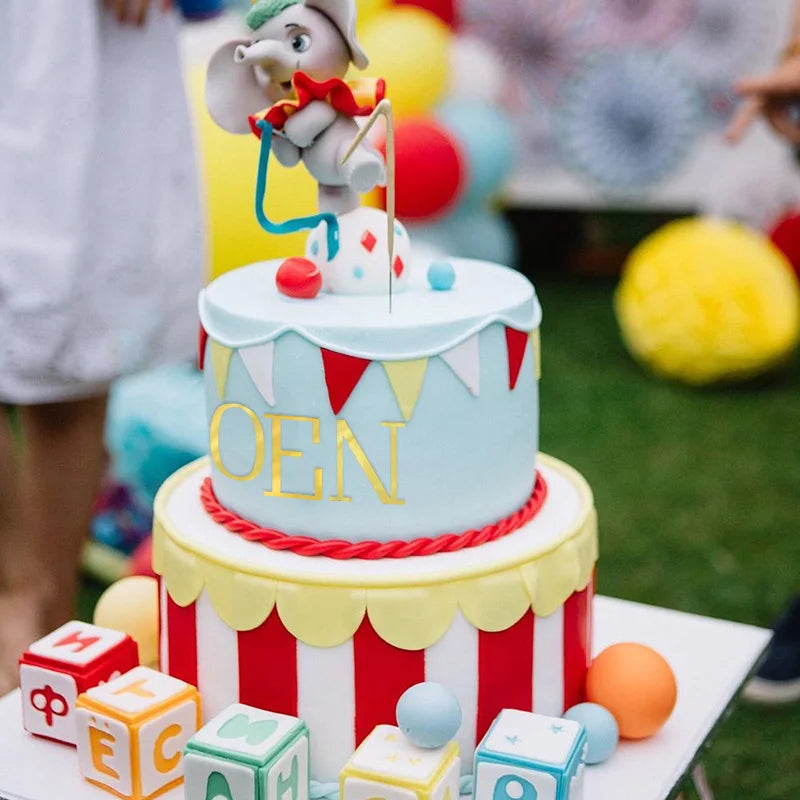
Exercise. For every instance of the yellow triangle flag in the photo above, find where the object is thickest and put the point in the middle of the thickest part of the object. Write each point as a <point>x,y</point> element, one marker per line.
<point>536,342</point>
<point>406,379</point>
<point>221,361</point>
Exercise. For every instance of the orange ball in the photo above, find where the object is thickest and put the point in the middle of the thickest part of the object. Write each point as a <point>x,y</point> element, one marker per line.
<point>636,685</point>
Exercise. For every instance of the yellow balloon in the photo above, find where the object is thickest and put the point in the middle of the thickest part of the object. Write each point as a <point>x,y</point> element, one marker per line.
<point>228,168</point>
<point>131,605</point>
<point>706,300</point>
<point>410,49</point>
<point>368,9</point>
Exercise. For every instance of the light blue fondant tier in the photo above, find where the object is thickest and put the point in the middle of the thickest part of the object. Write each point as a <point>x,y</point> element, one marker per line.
<point>461,460</point>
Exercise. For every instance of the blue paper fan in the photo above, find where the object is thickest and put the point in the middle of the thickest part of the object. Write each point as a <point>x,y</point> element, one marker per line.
<point>628,120</point>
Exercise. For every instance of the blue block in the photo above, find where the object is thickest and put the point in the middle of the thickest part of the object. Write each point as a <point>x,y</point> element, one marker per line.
<point>526,756</point>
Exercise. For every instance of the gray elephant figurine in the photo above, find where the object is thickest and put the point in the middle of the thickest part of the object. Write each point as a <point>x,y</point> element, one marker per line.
<point>294,64</point>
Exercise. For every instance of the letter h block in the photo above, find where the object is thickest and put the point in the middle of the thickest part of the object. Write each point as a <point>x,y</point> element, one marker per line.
<point>526,756</point>
<point>390,767</point>
<point>132,731</point>
<point>57,668</point>
<point>245,753</point>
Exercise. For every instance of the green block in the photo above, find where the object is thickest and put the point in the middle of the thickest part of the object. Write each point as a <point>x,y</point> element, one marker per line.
<point>245,753</point>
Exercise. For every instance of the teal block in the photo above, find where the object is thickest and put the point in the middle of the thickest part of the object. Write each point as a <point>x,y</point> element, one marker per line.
<point>526,756</point>
<point>245,753</point>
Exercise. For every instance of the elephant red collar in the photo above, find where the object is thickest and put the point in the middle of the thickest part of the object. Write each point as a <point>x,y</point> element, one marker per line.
<point>355,98</point>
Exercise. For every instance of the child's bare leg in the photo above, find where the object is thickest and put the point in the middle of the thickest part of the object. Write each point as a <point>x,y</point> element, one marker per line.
<point>62,464</point>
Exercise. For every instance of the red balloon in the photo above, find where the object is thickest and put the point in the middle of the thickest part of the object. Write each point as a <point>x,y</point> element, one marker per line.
<point>785,235</point>
<point>444,9</point>
<point>431,170</point>
<point>141,562</point>
<point>299,278</point>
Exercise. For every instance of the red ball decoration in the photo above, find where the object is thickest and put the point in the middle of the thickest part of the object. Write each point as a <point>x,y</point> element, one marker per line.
<point>444,9</point>
<point>431,170</point>
<point>785,235</point>
<point>299,278</point>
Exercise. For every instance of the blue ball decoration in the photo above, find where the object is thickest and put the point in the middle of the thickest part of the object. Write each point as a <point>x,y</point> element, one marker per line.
<point>441,276</point>
<point>602,732</point>
<point>429,714</point>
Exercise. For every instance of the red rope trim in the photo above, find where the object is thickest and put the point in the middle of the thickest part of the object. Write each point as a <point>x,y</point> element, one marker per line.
<point>343,550</point>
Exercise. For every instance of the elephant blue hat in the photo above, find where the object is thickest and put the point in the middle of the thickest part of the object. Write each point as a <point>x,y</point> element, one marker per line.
<point>342,13</point>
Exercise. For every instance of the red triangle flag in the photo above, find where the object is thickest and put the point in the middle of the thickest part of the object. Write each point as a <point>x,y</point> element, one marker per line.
<point>201,348</point>
<point>342,374</point>
<point>517,343</point>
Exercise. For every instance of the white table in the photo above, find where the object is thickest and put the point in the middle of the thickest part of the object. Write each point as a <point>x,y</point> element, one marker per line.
<point>711,659</point>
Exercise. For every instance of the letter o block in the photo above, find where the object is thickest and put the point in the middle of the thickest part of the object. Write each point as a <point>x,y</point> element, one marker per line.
<point>132,731</point>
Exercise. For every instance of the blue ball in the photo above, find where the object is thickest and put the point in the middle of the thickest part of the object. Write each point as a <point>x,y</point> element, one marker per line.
<point>602,732</point>
<point>429,714</point>
<point>441,276</point>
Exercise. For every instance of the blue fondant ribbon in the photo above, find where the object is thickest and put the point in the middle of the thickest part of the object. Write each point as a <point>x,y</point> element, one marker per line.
<point>290,225</point>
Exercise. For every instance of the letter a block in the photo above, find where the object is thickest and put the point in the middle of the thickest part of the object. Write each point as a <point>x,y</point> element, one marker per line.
<point>57,668</point>
<point>528,756</point>
<point>132,731</point>
<point>245,753</point>
<point>390,767</point>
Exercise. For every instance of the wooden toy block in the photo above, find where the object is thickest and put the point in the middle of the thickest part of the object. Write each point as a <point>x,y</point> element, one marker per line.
<point>132,731</point>
<point>390,767</point>
<point>526,756</point>
<point>66,662</point>
<point>245,753</point>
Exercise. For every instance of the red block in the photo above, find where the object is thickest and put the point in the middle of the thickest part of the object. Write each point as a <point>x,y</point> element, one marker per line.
<point>57,668</point>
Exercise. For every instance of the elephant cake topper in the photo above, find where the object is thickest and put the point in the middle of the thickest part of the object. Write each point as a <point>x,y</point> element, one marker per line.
<point>286,84</point>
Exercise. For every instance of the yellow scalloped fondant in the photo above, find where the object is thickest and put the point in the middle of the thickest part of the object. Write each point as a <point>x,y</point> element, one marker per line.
<point>242,601</point>
<point>322,616</point>
<point>494,602</point>
<point>413,618</point>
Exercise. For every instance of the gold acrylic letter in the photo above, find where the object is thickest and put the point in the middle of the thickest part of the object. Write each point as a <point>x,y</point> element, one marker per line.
<point>344,435</point>
<point>258,431</point>
<point>276,420</point>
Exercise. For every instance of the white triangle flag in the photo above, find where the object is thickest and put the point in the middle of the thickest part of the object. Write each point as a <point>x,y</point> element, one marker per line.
<point>465,361</point>
<point>258,362</point>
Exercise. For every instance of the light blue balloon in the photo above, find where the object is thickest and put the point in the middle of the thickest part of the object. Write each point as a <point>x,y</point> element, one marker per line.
<point>474,233</point>
<point>602,732</point>
<point>429,714</point>
<point>488,140</point>
<point>441,276</point>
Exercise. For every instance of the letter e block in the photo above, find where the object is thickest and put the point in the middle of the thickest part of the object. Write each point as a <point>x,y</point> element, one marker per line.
<point>526,756</point>
<point>245,753</point>
<point>132,731</point>
<point>389,766</point>
<point>57,668</point>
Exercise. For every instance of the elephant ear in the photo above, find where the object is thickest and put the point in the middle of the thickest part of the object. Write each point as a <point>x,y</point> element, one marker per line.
<point>232,91</point>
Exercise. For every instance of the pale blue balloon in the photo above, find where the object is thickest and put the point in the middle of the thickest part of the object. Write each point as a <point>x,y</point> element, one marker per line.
<point>429,714</point>
<point>602,731</point>
<point>488,140</point>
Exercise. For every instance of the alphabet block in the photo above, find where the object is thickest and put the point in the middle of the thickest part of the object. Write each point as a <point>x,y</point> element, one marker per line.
<point>132,731</point>
<point>526,756</point>
<point>387,766</point>
<point>245,753</point>
<point>57,668</point>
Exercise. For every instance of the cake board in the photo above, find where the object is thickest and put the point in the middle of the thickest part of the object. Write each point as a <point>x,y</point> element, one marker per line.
<point>711,659</point>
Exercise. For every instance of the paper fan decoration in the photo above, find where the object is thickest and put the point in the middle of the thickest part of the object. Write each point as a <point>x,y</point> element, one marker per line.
<point>540,41</point>
<point>722,39</point>
<point>628,120</point>
<point>641,21</point>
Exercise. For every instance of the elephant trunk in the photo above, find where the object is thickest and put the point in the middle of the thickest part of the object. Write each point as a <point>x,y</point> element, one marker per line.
<point>258,53</point>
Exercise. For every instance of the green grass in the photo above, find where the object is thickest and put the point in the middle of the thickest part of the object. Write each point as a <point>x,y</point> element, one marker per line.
<point>698,493</point>
<point>699,500</point>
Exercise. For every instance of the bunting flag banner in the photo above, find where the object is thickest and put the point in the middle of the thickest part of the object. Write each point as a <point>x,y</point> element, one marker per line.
<point>517,342</point>
<point>201,348</point>
<point>258,362</point>
<point>406,379</point>
<point>465,361</point>
<point>342,374</point>
<point>536,343</point>
<point>221,362</point>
